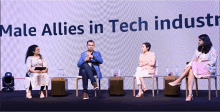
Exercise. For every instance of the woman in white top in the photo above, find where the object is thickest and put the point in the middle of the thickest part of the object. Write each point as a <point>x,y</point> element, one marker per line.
<point>34,77</point>
<point>203,63</point>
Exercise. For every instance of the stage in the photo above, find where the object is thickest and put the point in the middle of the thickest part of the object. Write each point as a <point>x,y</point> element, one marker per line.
<point>16,101</point>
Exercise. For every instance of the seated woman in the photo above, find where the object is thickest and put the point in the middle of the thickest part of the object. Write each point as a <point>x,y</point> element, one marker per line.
<point>34,77</point>
<point>203,63</point>
<point>146,62</point>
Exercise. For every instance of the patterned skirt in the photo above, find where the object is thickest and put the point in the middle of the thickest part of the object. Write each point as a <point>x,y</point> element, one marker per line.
<point>37,79</point>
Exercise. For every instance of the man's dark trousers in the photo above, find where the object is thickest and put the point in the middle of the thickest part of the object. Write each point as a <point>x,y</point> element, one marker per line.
<point>87,72</point>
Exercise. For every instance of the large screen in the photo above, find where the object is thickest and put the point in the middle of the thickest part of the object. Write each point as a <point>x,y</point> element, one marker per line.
<point>62,28</point>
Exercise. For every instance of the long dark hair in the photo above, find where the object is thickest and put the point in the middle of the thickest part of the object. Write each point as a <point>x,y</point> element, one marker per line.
<point>207,44</point>
<point>30,52</point>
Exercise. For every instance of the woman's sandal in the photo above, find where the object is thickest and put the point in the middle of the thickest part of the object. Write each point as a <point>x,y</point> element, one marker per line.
<point>144,90</point>
<point>139,95</point>
<point>28,95</point>
<point>41,95</point>
<point>172,84</point>
<point>189,98</point>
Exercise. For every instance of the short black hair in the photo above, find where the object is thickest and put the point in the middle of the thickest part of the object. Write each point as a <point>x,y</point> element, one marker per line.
<point>147,44</point>
<point>90,41</point>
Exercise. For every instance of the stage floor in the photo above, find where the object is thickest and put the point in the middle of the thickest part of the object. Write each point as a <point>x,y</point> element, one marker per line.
<point>16,101</point>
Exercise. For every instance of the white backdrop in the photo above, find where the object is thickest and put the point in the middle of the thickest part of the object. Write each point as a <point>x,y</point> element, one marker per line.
<point>173,47</point>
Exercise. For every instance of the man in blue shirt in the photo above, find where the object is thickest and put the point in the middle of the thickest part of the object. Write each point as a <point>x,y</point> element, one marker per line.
<point>89,66</point>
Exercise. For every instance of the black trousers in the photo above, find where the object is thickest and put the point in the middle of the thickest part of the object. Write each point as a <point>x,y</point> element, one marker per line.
<point>42,87</point>
<point>87,72</point>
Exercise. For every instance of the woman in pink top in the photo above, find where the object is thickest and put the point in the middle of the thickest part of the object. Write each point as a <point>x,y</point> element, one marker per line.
<point>146,62</point>
<point>203,63</point>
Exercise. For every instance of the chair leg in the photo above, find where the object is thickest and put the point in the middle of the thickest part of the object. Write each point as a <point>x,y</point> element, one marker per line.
<point>216,91</point>
<point>163,83</point>
<point>186,87</point>
<point>157,85</point>
<point>76,87</point>
<point>46,91</point>
<point>99,86</point>
<point>209,89</point>
<point>153,86</point>
<point>134,85</point>
<point>197,93</point>
<point>95,89</point>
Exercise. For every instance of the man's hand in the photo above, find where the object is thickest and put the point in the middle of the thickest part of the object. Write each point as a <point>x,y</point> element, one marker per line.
<point>88,54</point>
<point>87,59</point>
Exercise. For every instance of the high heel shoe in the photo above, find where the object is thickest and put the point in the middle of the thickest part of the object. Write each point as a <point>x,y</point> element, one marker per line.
<point>189,98</point>
<point>144,90</point>
<point>139,95</point>
<point>172,84</point>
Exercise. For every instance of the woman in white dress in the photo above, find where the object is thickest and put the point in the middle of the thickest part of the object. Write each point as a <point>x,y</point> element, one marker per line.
<point>202,64</point>
<point>34,77</point>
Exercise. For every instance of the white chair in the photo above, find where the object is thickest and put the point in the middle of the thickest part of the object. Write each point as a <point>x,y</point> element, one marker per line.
<point>154,75</point>
<point>80,77</point>
<point>209,77</point>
